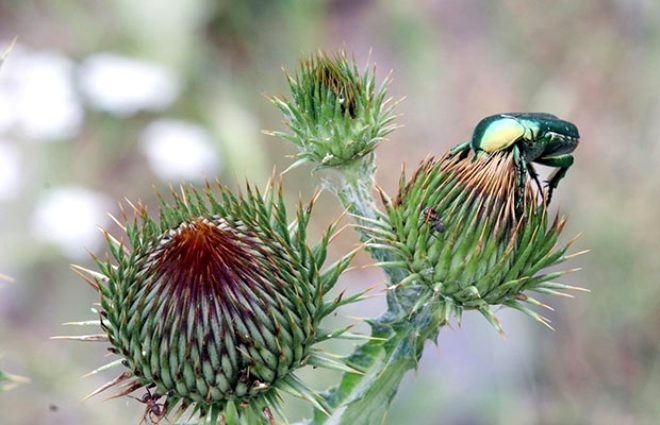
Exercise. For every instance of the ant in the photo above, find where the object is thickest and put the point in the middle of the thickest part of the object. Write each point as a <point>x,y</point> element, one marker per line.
<point>431,217</point>
<point>269,416</point>
<point>154,411</point>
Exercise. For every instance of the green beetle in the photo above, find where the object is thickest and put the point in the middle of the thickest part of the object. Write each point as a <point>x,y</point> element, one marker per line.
<point>532,137</point>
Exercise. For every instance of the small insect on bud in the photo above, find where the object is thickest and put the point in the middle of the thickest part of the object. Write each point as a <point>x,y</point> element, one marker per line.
<point>432,218</point>
<point>470,246</point>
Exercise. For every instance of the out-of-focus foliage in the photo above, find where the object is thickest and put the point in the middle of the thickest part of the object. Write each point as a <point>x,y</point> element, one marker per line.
<point>93,92</point>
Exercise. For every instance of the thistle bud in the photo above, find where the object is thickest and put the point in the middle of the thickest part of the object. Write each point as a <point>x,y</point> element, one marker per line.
<point>213,307</point>
<point>337,115</point>
<point>466,244</point>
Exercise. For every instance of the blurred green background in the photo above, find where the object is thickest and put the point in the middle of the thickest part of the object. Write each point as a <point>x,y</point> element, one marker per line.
<point>106,100</point>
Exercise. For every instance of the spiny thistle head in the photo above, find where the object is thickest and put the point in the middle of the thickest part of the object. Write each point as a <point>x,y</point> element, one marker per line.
<point>337,114</point>
<point>213,307</point>
<point>465,245</point>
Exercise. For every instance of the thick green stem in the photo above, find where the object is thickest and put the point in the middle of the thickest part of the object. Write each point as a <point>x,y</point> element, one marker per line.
<point>396,348</point>
<point>397,336</point>
<point>355,189</point>
<point>367,401</point>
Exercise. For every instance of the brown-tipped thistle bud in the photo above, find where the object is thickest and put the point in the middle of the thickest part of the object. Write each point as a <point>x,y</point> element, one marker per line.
<point>465,245</point>
<point>337,114</point>
<point>213,308</point>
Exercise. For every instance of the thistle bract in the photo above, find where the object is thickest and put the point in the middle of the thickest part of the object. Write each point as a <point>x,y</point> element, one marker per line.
<point>456,230</point>
<point>213,307</point>
<point>336,114</point>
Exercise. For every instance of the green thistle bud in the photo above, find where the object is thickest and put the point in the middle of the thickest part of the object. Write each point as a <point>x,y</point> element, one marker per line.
<point>214,307</point>
<point>455,229</point>
<point>337,115</point>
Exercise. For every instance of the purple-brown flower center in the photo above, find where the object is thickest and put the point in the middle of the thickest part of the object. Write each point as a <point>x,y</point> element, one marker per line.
<point>203,255</point>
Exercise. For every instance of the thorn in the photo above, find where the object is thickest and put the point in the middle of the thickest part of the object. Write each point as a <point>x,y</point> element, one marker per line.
<point>85,275</point>
<point>568,257</point>
<point>104,367</point>
<point>340,230</point>
<point>128,388</point>
<point>117,222</point>
<point>577,288</point>
<point>84,338</point>
<point>83,323</point>
<point>109,384</point>
<point>545,322</point>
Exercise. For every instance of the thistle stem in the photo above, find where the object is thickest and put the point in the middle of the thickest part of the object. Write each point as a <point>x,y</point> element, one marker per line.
<point>363,399</point>
<point>397,336</point>
<point>355,188</point>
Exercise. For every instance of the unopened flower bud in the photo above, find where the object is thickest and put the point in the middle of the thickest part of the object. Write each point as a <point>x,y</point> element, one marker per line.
<point>456,229</point>
<point>337,114</point>
<point>214,307</point>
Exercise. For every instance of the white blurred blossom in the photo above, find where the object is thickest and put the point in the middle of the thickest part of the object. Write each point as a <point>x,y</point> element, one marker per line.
<point>10,170</point>
<point>179,150</point>
<point>38,96</point>
<point>69,218</point>
<point>124,86</point>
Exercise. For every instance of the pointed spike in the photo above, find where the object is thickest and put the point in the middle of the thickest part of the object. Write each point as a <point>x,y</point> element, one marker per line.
<point>492,319</point>
<point>85,338</point>
<point>83,323</point>
<point>570,256</point>
<point>319,360</point>
<point>349,336</point>
<point>296,164</point>
<point>552,292</point>
<point>336,232</point>
<point>117,380</point>
<point>112,240</point>
<point>106,366</point>
<point>573,239</point>
<point>391,264</point>
<point>534,315</point>
<point>556,285</point>
<point>534,301</point>
<point>458,314</point>
<point>119,224</point>
<point>334,334</point>
<point>129,387</point>
<point>294,386</point>
<point>89,276</point>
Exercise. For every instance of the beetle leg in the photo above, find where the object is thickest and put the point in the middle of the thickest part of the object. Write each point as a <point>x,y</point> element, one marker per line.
<point>521,170</point>
<point>535,176</point>
<point>461,149</point>
<point>563,163</point>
